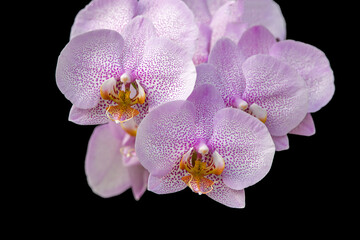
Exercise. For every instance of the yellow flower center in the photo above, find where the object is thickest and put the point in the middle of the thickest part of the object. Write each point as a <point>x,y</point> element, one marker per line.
<point>195,164</point>
<point>118,93</point>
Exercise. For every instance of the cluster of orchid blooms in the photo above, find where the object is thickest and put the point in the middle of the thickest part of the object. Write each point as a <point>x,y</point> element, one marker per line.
<point>189,93</point>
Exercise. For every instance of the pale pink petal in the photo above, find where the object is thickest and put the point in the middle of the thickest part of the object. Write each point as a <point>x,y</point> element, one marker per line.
<point>312,65</point>
<point>165,135</point>
<point>139,179</point>
<point>235,30</point>
<point>136,34</point>
<point>281,142</point>
<point>169,183</point>
<point>266,13</point>
<point>173,20</point>
<point>207,101</point>
<point>200,10</point>
<point>227,60</point>
<point>166,72</point>
<point>225,195</point>
<point>104,14</point>
<point>277,88</point>
<point>245,145</point>
<point>306,127</point>
<point>106,174</point>
<point>214,5</point>
<point>256,40</point>
<point>228,13</point>
<point>85,63</point>
<point>92,116</point>
<point>207,74</point>
<point>202,45</point>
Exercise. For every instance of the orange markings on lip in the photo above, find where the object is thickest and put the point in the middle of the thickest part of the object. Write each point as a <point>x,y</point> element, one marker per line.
<point>198,169</point>
<point>111,90</point>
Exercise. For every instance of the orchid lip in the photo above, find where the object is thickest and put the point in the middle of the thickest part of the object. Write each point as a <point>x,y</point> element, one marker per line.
<point>117,92</point>
<point>199,166</point>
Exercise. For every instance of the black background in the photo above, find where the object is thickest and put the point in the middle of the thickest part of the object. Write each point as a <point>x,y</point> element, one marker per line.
<point>307,188</point>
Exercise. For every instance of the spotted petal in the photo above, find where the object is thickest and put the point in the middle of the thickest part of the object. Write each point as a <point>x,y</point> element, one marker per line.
<point>165,135</point>
<point>173,20</point>
<point>166,72</point>
<point>313,67</point>
<point>225,195</point>
<point>227,60</point>
<point>169,183</point>
<point>104,14</point>
<point>136,34</point>
<point>85,63</point>
<point>245,145</point>
<point>207,101</point>
<point>279,89</point>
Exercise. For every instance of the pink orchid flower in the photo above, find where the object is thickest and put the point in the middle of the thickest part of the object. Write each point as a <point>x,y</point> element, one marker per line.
<point>111,163</point>
<point>108,76</point>
<point>279,82</point>
<point>228,18</point>
<point>198,143</point>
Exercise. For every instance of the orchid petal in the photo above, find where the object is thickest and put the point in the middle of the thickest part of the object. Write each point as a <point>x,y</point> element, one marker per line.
<point>227,61</point>
<point>207,101</point>
<point>136,34</point>
<point>214,5</point>
<point>92,116</point>
<point>172,20</point>
<point>235,30</point>
<point>228,13</point>
<point>104,14</point>
<point>266,13</point>
<point>200,10</point>
<point>225,195</point>
<point>245,145</point>
<point>207,74</point>
<point>139,179</point>
<point>166,72</point>
<point>278,89</point>
<point>106,174</point>
<point>169,183</point>
<point>306,127</point>
<point>256,40</point>
<point>281,142</point>
<point>313,67</point>
<point>165,135</point>
<point>202,45</point>
<point>85,63</point>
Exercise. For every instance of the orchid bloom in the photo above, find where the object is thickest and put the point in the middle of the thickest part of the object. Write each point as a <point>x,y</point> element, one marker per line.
<point>172,19</point>
<point>198,143</point>
<point>229,18</point>
<point>111,163</point>
<point>279,82</point>
<point>108,76</point>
